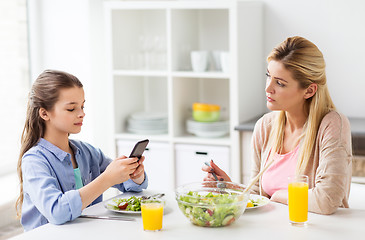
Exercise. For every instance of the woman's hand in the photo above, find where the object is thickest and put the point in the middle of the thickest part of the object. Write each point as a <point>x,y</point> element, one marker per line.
<point>221,175</point>
<point>280,196</point>
<point>138,175</point>
<point>120,169</point>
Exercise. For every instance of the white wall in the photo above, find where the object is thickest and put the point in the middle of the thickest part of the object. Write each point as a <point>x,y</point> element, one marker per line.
<point>68,35</point>
<point>337,28</point>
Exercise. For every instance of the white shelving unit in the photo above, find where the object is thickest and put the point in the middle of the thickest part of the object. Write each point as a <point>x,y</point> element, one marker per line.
<point>149,46</point>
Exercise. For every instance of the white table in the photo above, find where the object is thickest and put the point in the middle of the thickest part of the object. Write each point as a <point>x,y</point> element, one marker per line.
<point>267,222</point>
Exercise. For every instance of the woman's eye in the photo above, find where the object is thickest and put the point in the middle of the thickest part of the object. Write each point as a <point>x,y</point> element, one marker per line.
<point>280,84</point>
<point>70,110</point>
<point>267,75</point>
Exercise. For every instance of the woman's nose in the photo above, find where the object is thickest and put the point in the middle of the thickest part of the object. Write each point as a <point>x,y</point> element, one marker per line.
<point>269,88</point>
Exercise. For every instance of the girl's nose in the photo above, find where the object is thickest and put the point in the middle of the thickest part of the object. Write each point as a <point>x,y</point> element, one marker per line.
<point>82,114</point>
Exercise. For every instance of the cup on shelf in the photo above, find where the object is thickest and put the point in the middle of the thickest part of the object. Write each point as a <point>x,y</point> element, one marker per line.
<point>216,57</point>
<point>224,57</point>
<point>199,61</point>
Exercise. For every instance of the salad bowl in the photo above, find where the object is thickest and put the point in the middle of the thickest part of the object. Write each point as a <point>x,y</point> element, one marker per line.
<point>207,204</point>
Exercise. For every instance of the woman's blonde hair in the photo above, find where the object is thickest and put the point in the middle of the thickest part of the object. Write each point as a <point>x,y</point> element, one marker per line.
<point>44,94</point>
<point>306,64</point>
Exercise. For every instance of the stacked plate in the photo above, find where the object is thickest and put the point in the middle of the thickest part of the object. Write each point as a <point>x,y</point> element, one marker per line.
<point>147,123</point>
<point>207,129</point>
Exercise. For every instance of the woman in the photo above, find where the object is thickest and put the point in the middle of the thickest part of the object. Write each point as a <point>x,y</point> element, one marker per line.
<point>304,134</point>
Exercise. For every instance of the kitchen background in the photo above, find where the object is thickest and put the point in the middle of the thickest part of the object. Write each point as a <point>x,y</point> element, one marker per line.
<point>73,36</point>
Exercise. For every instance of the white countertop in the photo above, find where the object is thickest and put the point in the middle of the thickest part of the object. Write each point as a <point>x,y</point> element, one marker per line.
<point>267,222</point>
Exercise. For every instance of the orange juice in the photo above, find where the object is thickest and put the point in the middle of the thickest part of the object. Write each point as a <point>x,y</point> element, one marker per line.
<point>298,202</point>
<point>152,216</point>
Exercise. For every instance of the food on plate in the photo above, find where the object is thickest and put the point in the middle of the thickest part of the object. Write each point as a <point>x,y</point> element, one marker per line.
<point>126,204</point>
<point>250,204</point>
<point>212,209</point>
<point>256,201</point>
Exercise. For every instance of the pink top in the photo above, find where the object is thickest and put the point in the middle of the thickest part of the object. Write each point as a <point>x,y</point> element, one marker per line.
<point>276,176</point>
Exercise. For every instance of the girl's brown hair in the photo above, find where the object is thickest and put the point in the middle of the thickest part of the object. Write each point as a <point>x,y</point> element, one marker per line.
<point>43,94</point>
<point>306,64</point>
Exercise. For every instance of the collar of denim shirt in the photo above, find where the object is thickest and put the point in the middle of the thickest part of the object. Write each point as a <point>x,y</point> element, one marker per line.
<point>59,153</point>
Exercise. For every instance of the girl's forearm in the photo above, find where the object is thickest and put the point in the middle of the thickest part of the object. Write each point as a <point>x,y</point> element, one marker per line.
<point>93,190</point>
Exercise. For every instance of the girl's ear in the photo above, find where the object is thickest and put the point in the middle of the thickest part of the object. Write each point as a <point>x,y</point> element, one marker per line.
<point>43,114</point>
<point>310,91</point>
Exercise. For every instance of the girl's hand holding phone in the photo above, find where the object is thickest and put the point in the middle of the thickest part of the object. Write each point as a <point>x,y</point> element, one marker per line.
<point>138,175</point>
<point>120,169</point>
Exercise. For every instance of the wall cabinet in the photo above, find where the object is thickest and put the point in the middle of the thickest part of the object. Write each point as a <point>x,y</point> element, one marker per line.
<point>157,164</point>
<point>149,70</point>
<point>191,157</point>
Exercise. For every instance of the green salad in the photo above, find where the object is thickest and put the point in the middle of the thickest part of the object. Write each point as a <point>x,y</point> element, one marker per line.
<point>211,210</point>
<point>126,204</point>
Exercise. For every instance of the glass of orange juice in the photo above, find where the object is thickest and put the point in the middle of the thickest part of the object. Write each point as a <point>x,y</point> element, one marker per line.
<point>298,200</point>
<point>152,214</point>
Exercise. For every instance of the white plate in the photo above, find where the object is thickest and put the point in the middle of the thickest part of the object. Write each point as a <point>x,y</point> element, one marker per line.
<point>111,202</point>
<point>196,124</point>
<point>149,116</point>
<point>147,131</point>
<point>263,201</point>
<point>215,134</point>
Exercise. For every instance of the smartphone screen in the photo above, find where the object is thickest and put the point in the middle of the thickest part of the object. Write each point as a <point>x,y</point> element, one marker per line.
<point>139,149</point>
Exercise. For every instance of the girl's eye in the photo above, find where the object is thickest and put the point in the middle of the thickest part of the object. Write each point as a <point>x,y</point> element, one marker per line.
<point>70,110</point>
<point>267,75</point>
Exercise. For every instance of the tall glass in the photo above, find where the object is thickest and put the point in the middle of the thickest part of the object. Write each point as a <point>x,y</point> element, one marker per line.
<point>152,214</point>
<point>298,200</point>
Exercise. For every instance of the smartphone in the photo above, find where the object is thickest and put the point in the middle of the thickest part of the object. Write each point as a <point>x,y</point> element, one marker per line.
<point>139,149</point>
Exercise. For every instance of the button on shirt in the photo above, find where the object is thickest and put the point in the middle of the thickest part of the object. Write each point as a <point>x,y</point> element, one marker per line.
<point>49,188</point>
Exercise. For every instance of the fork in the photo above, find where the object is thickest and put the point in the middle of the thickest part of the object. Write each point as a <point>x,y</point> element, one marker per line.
<point>157,195</point>
<point>219,184</point>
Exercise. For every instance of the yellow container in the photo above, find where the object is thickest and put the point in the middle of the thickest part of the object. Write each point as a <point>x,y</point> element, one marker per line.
<point>203,112</point>
<point>152,214</point>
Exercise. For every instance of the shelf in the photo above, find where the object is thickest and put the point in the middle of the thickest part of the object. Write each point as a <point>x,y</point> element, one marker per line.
<point>149,58</point>
<point>190,74</point>
<point>190,139</point>
<point>187,74</point>
<point>197,30</point>
<point>133,136</point>
<point>137,94</point>
<point>143,5</point>
<point>140,73</point>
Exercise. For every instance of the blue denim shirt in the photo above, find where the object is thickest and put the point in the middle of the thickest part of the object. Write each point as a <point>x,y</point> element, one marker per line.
<point>49,189</point>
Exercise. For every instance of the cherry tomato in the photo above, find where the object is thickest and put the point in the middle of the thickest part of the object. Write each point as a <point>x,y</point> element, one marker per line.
<point>123,205</point>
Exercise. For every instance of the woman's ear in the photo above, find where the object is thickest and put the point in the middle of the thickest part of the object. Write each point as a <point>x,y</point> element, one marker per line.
<point>43,114</point>
<point>310,91</point>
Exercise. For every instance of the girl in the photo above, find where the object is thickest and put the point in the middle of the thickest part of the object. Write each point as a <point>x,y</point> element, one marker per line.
<point>305,134</point>
<point>59,177</point>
